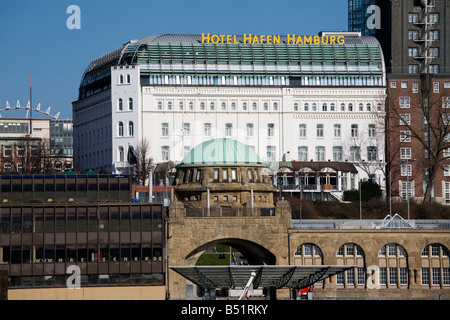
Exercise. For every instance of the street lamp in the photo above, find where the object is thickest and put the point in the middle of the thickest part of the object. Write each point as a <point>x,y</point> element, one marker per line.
<point>407,180</point>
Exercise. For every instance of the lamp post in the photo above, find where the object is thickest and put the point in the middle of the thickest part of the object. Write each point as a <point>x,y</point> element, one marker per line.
<point>407,180</point>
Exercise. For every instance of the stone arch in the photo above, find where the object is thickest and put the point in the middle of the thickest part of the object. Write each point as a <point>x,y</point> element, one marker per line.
<point>254,253</point>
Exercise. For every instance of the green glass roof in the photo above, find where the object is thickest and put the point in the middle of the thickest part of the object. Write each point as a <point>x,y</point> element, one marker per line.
<point>185,54</point>
<point>221,151</point>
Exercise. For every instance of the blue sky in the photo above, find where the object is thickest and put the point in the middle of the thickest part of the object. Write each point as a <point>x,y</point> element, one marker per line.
<point>34,37</point>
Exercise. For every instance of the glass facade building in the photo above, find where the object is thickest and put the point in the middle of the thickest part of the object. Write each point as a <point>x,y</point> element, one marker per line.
<point>357,16</point>
<point>112,244</point>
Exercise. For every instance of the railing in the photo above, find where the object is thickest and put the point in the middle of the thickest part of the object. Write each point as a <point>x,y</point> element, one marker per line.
<point>228,212</point>
<point>370,224</point>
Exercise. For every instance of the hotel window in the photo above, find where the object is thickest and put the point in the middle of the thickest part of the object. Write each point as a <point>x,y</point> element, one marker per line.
<point>202,106</point>
<point>306,107</point>
<point>186,129</point>
<point>319,130</point>
<point>324,107</point>
<point>265,106</point>
<point>165,153</point>
<point>270,129</point>
<point>228,130</point>
<point>130,104</point>
<point>350,107</point>
<point>405,153</point>
<point>121,154</point>
<point>211,106</point>
<point>314,107</point>
<point>354,130</point>
<point>372,153</point>
<point>337,153</point>
<point>191,105</point>
<point>371,131</point>
<point>224,106</point>
<point>249,129</point>
<point>169,105</point>
<point>165,129</point>
<point>120,130</point>
<point>405,136</point>
<point>332,107</point>
<point>320,153</point>
<point>130,128</point>
<point>120,104</point>
<point>337,130</point>
<point>295,106</point>
<point>342,106</point>
<point>207,129</point>
<point>303,153</point>
<point>302,130</point>
<point>180,105</point>
<point>159,105</point>
<point>361,107</point>
<point>254,106</point>
<point>355,154</point>
<point>244,106</point>
<point>271,153</point>
<point>275,106</point>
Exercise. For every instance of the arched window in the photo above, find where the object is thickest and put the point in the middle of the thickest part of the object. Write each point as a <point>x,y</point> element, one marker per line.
<point>350,254</point>
<point>120,104</point>
<point>130,128</point>
<point>121,155</point>
<point>308,254</point>
<point>393,266</point>
<point>275,106</point>
<point>435,261</point>
<point>120,129</point>
<point>159,105</point>
<point>130,104</point>
<point>169,105</point>
<point>128,78</point>
<point>324,107</point>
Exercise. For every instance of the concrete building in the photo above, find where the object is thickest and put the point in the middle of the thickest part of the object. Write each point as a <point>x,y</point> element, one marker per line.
<point>286,101</point>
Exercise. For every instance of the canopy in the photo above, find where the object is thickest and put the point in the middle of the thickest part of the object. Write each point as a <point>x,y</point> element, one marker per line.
<point>266,276</point>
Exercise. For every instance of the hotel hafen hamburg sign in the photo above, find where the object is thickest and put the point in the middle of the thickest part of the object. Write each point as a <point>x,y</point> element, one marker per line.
<point>271,39</point>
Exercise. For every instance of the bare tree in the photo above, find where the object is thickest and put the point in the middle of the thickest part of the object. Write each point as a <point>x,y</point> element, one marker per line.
<point>425,117</point>
<point>143,163</point>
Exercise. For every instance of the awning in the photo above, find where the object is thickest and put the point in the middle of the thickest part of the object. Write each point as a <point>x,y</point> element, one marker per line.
<point>266,276</point>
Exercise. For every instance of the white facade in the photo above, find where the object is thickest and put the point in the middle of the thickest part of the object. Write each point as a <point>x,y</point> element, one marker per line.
<point>176,103</point>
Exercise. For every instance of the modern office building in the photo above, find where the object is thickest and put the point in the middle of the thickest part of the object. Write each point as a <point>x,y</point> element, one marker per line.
<point>35,146</point>
<point>305,101</point>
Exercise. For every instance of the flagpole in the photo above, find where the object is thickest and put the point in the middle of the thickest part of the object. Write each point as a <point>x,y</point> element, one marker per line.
<point>31,110</point>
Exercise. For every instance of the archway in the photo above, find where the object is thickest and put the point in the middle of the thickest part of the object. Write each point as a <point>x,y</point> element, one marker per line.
<point>254,253</point>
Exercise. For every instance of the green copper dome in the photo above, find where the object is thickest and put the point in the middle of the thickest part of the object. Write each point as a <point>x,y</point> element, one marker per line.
<point>221,151</point>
